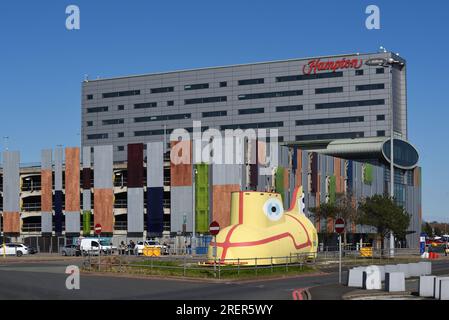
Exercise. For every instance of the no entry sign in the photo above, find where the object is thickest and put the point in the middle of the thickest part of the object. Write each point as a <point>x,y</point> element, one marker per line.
<point>339,225</point>
<point>214,228</point>
<point>97,228</point>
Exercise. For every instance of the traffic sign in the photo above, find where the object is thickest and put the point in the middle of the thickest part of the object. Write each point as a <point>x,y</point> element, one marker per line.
<point>214,228</point>
<point>97,228</point>
<point>339,225</point>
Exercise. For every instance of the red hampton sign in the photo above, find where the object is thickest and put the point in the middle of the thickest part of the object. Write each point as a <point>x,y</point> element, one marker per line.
<point>318,65</point>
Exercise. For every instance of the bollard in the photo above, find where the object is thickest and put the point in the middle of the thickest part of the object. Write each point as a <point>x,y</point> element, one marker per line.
<point>394,281</point>
<point>426,286</point>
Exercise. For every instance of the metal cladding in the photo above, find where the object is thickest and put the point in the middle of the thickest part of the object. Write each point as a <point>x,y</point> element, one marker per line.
<point>135,165</point>
<point>58,191</point>
<point>87,195</point>
<point>72,191</point>
<point>181,209</point>
<point>47,192</point>
<point>155,188</point>
<point>103,188</point>
<point>11,193</point>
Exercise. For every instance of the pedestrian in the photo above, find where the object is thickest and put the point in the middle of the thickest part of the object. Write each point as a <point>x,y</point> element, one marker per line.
<point>132,245</point>
<point>122,248</point>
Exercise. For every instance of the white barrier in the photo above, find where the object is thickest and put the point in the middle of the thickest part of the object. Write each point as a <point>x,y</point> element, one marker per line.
<point>372,278</point>
<point>404,268</point>
<point>426,286</point>
<point>391,268</point>
<point>444,289</point>
<point>355,277</point>
<point>436,286</point>
<point>427,267</point>
<point>394,281</point>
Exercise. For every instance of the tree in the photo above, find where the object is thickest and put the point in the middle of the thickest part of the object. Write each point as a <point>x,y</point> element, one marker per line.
<point>381,212</point>
<point>427,228</point>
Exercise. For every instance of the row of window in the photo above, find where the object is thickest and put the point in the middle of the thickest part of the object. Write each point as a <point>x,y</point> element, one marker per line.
<point>166,117</point>
<point>330,136</point>
<point>198,86</point>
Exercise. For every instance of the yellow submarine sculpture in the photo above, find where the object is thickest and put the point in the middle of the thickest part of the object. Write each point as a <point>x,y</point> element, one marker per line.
<point>263,233</point>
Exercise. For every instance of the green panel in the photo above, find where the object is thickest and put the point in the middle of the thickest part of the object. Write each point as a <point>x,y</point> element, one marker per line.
<point>202,198</point>
<point>86,222</point>
<point>279,181</point>
<point>332,189</point>
<point>368,173</point>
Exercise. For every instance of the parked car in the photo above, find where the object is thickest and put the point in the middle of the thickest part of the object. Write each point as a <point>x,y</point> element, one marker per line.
<point>93,246</point>
<point>70,250</point>
<point>14,249</point>
<point>151,243</point>
<point>32,250</point>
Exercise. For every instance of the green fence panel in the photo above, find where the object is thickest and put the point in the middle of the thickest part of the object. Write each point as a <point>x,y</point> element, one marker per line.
<point>86,222</point>
<point>202,198</point>
<point>368,173</point>
<point>279,181</point>
<point>332,189</point>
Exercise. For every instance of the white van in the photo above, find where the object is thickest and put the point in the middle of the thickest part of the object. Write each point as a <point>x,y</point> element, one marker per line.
<point>93,246</point>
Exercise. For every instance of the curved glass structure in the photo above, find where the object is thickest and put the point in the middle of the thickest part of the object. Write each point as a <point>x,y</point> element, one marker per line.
<point>405,155</point>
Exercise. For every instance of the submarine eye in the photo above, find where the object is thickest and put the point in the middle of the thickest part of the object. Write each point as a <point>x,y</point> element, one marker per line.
<point>273,209</point>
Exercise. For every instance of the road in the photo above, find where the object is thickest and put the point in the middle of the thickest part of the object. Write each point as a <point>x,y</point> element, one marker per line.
<point>46,280</point>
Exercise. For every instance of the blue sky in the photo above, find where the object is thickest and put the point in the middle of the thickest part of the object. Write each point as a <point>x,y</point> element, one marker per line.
<point>42,64</point>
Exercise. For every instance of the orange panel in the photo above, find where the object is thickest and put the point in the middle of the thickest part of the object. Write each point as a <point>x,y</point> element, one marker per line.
<point>181,174</point>
<point>221,203</point>
<point>261,153</point>
<point>103,209</point>
<point>46,191</point>
<point>299,169</point>
<point>72,179</point>
<point>330,225</point>
<point>11,222</point>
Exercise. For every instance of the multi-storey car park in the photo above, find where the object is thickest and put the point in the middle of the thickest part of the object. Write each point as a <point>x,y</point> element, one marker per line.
<point>333,115</point>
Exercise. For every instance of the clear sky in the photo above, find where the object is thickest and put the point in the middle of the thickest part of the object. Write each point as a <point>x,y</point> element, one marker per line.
<point>42,64</point>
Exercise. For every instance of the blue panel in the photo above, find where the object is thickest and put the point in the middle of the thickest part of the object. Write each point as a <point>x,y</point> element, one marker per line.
<point>155,212</point>
<point>350,176</point>
<point>58,212</point>
<point>295,160</point>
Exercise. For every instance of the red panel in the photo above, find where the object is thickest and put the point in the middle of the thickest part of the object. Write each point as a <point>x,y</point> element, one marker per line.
<point>11,222</point>
<point>221,203</point>
<point>181,174</point>
<point>103,209</point>
<point>135,165</point>
<point>46,191</point>
<point>72,179</point>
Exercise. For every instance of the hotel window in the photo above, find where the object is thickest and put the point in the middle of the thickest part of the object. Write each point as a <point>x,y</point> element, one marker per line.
<point>330,136</point>
<point>205,100</point>
<point>97,136</point>
<point>380,117</point>
<point>328,90</point>
<point>90,96</point>
<point>289,108</point>
<point>162,90</point>
<point>260,125</point>
<point>97,109</point>
<point>163,117</point>
<point>251,81</point>
<point>196,86</point>
<point>113,121</point>
<point>251,111</point>
<point>120,148</point>
<point>121,94</point>
<point>121,107</point>
<point>359,72</point>
<point>380,70</point>
<point>170,103</point>
<point>349,104</point>
<point>375,86</point>
<point>311,76</point>
<point>90,123</point>
<point>145,105</point>
<point>120,134</point>
<point>223,84</point>
<point>381,133</point>
<point>329,120</point>
<point>270,94</point>
<point>214,114</point>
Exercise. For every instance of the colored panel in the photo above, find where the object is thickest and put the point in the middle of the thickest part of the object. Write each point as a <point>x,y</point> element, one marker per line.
<point>103,167</point>
<point>279,181</point>
<point>103,209</point>
<point>262,153</point>
<point>155,164</point>
<point>46,191</point>
<point>86,222</point>
<point>11,181</point>
<point>226,174</point>
<point>87,200</point>
<point>135,165</point>
<point>181,208</point>
<point>58,211</point>
<point>181,173</point>
<point>368,173</point>
<point>350,176</point>
<point>46,222</point>
<point>72,223</point>
<point>58,168</point>
<point>87,155</point>
<point>221,203</point>
<point>332,189</point>
<point>87,178</point>
<point>72,181</point>
<point>314,173</point>
<point>135,210</point>
<point>11,223</point>
<point>202,198</point>
<point>155,212</point>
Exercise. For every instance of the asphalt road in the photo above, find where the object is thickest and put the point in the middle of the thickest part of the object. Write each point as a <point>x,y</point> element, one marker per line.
<point>46,280</point>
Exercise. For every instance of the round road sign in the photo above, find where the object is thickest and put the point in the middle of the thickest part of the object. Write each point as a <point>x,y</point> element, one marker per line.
<point>214,228</point>
<point>97,228</point>
<point>339,225</point>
